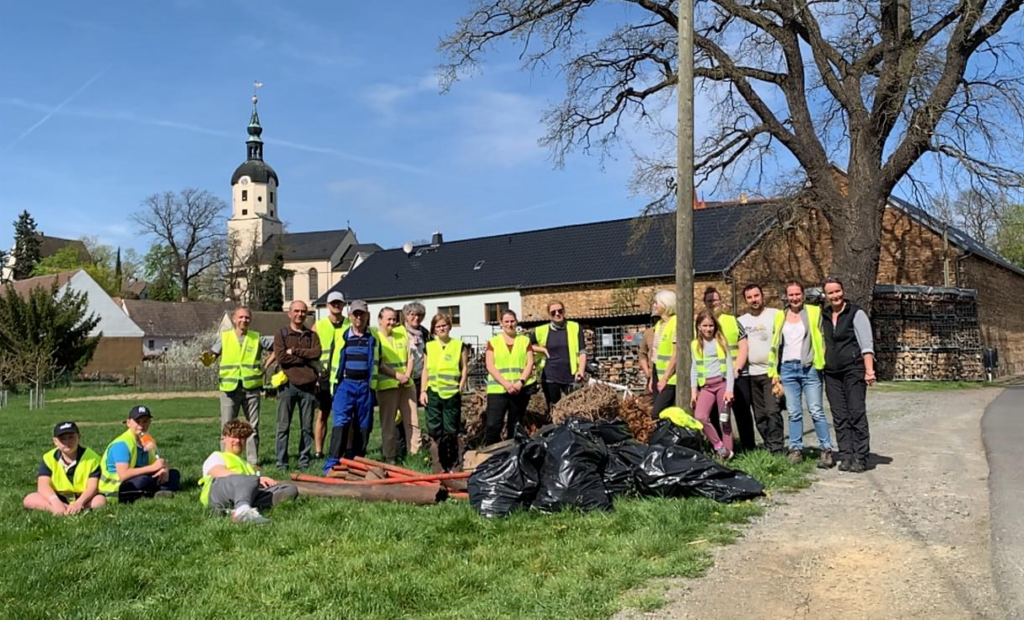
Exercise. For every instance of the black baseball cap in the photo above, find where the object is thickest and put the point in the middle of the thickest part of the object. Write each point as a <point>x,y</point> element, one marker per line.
<point>64,428</point>
<point>139,411</point>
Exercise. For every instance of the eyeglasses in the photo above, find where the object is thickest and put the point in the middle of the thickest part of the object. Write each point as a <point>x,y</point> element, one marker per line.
<point>557,312</point>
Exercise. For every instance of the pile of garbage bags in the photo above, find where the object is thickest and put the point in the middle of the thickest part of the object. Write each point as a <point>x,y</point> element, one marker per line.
<point>583,464</point>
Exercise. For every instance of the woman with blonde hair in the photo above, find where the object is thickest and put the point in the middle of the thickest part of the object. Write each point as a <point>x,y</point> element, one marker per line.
<point>711,381</point>
<point>664,379</point>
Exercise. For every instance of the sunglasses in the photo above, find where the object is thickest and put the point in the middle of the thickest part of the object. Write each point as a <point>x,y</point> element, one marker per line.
<point>557,312</point>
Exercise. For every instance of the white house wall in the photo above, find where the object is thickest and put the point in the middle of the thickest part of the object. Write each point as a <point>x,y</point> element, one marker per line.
<point>473,325</point>
<point>114,323</point>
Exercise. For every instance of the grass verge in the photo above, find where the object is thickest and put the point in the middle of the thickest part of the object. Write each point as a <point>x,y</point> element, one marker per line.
<point>331,558</point>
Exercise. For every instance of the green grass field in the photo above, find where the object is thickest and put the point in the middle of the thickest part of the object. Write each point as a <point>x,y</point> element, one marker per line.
<point>329,558</point>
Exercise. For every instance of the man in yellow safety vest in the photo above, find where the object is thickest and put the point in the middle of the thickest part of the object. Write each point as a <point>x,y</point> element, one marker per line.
<point>324,329</point>
<point>241,374</point>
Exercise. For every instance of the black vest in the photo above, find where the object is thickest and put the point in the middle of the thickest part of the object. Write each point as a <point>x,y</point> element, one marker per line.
<point>842,352</point>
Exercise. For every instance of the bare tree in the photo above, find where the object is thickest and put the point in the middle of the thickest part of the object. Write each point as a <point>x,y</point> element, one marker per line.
<point>190,223</point>
<point>876,86</point>
<point>979,213</point>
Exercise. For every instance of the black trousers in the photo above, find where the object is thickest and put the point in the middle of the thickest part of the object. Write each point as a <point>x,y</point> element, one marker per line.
<point>147,486</point>
<point>767,413</point>
<point>553,392</point>
<point>847,397</point>
<point>504,410</point>
<point>743,421</point>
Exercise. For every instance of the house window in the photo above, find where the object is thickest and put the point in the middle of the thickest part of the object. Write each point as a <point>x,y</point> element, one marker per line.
<point>152,344</point>
<point>271,197</point>
<point>245,195</point>
<point>314,285</point>
<point>492,312</point>
<point>245,212</point>
<point>452,312</point>
<point>289,287</point>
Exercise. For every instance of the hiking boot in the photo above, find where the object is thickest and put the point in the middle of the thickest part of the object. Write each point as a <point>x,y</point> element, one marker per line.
<point>319,456</point>
<point>826,461</point>
<point>844,465</point>
<point>163,494</point>
<point>248,515</point>
<point>723,453</point>
<point>795,456</point>
<point>858,466</point>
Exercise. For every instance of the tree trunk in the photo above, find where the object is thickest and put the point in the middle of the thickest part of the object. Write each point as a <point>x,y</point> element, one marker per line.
<point>856,225</point>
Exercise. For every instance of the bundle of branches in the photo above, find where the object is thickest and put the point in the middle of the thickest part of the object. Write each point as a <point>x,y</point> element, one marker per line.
<point>473,406</point>
<point>593,402</point>
<point>636,411</point>
<point>536,413</point>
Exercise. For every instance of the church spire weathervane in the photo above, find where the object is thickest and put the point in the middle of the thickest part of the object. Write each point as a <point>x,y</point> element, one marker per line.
<point>254,145</point>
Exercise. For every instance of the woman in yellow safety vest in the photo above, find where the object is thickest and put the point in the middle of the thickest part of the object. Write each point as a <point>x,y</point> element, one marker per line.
<point>664,379</point>
<point>445,370</point>
<point>69,477</point>
<point>711,381</point>
<point>509,365</point>
<point>395,395</point>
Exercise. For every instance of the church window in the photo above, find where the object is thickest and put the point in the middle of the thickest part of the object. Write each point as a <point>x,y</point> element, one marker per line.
<point>271,197</point>
<point>289,287</point>
<point>259,199</point>
<point>245,212</point>
<point>314,285</point>
<point>245,195</point>
<point>271,213</point>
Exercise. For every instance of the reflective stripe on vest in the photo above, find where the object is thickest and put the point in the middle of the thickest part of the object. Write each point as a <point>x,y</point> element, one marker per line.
<point>235,464</point>
<point>240,362</point>
<point>510,364</point>
<point>698,358</point>
<point>572,329</point>
<point>395,353</point>
<point>664,351</point>
<point>110,482</point>
<point>59,481</point>
<point>443,373</point>
<point>731,330</point>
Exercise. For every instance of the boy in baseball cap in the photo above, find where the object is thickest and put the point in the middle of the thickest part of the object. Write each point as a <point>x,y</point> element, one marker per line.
<point>69,476</point>
<point>131,468</point>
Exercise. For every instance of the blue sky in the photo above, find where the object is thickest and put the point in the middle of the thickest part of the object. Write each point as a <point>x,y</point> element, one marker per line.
<point>103,104</point>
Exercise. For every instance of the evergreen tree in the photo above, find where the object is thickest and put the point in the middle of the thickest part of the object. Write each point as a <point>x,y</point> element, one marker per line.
<point>26,246</point>
<point>44,321</point>
<point>270,285</point>
<point>118,276</point>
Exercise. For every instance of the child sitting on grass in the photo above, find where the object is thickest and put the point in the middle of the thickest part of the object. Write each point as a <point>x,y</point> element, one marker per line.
<point>69,477</point>
<point>231,484</point>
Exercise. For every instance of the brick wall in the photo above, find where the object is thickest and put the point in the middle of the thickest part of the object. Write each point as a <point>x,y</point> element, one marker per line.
<point>1000,310</point>
<point>596,299</point>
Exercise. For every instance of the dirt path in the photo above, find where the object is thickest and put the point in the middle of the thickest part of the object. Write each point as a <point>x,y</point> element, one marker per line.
<point>137,396</point>
<point>909,539</point>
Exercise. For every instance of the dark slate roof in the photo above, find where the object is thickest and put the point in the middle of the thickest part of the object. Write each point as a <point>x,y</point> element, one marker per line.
<point>577,254</point>
<point>353,251</point>
<point>318,244</point>
<point>170,319</point>
<point>257,170</point>
<point>956,236</point>
<point>48,246</point>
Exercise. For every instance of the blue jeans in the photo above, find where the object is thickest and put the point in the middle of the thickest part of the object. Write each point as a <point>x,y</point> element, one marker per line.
<point>797,380</point>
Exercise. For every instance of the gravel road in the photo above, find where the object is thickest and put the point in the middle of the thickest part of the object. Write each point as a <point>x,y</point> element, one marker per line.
<point>908,539</point>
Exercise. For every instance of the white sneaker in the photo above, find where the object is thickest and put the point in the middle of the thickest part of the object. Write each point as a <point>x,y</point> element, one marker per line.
<point>248,515</point>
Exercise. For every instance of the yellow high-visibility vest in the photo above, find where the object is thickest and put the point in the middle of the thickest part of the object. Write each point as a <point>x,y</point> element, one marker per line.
<point>443,372</point>
<point>510,364</point>
<point>394,353</point>
<point>59,481</point>
<point>817,339</point>
<point>572,329</point>
<point>240,361</point>
<point>234,464</point>
<point>111,482</point>
<point>698,357</point>
<point>664,353</point>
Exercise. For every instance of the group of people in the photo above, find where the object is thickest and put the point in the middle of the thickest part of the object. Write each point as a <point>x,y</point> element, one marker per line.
<point>73,478</point>
<point>752,367</point>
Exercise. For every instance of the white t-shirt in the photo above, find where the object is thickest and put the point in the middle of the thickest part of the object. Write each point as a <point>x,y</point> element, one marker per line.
<point>793,334</point>
<point>212,461</point>
<point>759,340</point>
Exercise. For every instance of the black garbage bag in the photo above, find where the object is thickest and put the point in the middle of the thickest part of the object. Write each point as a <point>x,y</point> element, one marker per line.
<point>609,433</point>
<point>623,459</point>
<point>507,481</point>
<point>571,474</point>
<point>676,471</point>
<point>666,433</point>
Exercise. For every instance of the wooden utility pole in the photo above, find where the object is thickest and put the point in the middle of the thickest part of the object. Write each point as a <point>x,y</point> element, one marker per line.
<point>684,206</point>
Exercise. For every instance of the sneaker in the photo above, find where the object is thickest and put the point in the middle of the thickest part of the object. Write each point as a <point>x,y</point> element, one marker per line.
<point>319,456</point>
<point>795,456</point>
<point>163,494</point>
<point>858,466</point>
<point>723,453</point>
<point>249,515</point>
<point>826,461</point>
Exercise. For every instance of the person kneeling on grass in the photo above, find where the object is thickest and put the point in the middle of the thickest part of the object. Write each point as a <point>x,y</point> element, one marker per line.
<point>230,484</point>
<point>69,476</point>
<point>131,468</point>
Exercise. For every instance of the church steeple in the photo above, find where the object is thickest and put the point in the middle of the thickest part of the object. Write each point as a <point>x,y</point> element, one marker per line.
<point>254,145</point>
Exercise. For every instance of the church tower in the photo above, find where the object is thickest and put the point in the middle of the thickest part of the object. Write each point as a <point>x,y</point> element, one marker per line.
<point>254,197</point>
